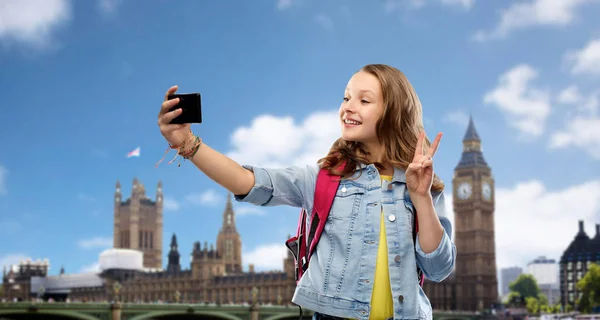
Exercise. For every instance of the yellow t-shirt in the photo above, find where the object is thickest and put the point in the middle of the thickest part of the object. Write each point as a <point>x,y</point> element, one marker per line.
<point>382,305</point>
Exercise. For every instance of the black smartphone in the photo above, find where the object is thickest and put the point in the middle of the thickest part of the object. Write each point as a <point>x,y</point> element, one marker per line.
<point>192,108</point>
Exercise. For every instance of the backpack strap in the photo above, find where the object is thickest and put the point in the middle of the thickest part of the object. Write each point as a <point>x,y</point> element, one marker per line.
<point>325,191</point>
<point>304,243</point>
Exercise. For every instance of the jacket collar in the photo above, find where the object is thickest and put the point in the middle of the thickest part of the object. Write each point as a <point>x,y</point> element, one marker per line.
<point>399,174</point>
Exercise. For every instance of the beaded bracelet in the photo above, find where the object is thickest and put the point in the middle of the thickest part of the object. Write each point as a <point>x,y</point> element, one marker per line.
<point>181,150</point>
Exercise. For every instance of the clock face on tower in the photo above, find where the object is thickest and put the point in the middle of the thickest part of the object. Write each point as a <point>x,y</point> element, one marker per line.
<point>464,191</point>
<point>486,191</point>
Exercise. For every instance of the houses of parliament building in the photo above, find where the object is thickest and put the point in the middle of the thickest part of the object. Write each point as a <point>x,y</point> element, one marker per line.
<point>133,269</point>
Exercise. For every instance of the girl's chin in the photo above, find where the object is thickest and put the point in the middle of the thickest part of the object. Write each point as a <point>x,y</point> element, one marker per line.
<point>350,137</point>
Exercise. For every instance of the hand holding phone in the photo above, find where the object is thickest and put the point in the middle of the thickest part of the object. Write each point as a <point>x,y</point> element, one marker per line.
<point>191,106</point>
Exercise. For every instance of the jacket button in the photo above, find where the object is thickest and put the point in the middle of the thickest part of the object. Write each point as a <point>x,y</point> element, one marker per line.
<point>392,217</point>
<point>390,187</point>
<point>344,189</point>
<point>401,298</point>
<point>397,258</point>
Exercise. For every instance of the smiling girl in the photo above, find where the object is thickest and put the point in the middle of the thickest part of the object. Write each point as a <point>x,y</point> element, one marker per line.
<point>365,265</point>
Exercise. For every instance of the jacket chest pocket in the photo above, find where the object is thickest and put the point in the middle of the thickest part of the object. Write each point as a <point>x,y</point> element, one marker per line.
<point>347,202</point>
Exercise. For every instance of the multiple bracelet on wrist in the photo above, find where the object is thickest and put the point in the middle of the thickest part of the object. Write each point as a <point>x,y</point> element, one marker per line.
<point>186,150</point>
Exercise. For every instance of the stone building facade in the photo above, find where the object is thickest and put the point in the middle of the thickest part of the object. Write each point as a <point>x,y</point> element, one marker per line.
<point>215,274</point>
<point>575,262</point>
<point>138,223</point>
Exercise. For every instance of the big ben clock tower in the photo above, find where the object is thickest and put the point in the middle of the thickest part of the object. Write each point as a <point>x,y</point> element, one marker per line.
<point>473,190</point>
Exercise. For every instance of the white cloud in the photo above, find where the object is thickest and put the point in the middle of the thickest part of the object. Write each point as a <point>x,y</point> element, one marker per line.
<point>247,210</point>
<point>525,106</point>
<point>32,22</point>
<point>458,117</point>
<point>171,204</point>
<point>570,95</point>
<point>272,141</point>
<point>12,259</point>
<point>526,14</point>
<point>585,60</point>
<point>530,220</point>
<point>585,105</point>
<point>580,132</point>
<point>90,268</point>
<point>286,4</point>
<point>96,242</point>
<point>209,197</point>
<point>3,175</point>
<point>266,257</point>
<point>324,21</point>
<point>108,6</point>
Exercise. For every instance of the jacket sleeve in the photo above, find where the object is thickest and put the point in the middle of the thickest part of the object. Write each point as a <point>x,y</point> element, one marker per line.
<point>438,265</point>
<point>292,186</point>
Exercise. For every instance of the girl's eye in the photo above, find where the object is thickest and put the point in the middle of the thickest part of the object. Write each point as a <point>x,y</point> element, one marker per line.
<point>364,101</point>
<point>346,99</point>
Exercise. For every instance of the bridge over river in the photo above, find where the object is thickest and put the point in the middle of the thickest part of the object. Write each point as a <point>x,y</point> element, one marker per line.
<point>132,311</point>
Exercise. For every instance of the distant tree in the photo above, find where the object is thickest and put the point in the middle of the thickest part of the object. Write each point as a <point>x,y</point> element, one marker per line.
<point>568,308</point>
<point>525,292</point>
<point>514,299</point>
<point>526,286</point>
<point>589,286</point>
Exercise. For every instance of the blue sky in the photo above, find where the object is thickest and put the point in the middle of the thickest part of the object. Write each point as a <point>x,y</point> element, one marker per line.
<point>82,82</point>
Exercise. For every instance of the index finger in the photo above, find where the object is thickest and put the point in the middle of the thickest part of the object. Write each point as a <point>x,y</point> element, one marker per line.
<point>171,90</point>
<point>434,146</point>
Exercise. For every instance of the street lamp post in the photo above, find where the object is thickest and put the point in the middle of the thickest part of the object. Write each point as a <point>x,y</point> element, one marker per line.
<point>254,305</point>
<point>254,295</point>
<point>116,289</point>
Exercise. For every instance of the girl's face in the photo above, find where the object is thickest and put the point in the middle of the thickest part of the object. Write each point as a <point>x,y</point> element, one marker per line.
<point>361,109</point>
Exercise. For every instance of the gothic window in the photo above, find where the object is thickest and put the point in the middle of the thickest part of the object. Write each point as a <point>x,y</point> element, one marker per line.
<point>141,240</point>
<point>570,266</point>
<point>151,240</point>
<point>578,265</point>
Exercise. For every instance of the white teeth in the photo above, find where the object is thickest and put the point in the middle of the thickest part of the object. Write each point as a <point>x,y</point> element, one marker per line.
<point>351,122</point>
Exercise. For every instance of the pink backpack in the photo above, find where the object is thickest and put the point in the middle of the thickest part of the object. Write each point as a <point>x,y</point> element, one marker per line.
<point>303,245</point>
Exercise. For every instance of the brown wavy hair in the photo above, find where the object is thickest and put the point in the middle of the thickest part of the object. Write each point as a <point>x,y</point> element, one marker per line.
<point>398,128</point>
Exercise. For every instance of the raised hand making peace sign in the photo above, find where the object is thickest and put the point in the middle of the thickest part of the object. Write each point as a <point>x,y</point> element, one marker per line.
<point>419,174</point>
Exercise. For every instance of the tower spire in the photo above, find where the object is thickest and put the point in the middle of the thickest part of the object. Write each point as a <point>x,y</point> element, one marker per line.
<point>228,214</point>
<point>174,256</point>
<point>471,134</point>
<point>472,155</point>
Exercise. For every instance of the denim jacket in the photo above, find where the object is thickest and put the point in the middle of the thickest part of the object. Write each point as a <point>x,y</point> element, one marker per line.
<point>339,280</point>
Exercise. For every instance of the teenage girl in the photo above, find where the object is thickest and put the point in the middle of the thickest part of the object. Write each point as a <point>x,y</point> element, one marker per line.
<point>365,265</point>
